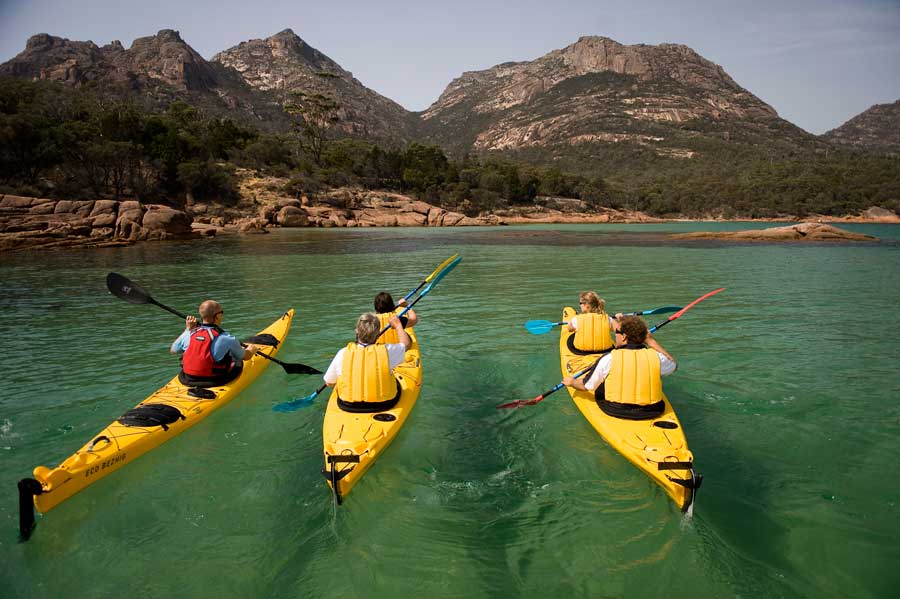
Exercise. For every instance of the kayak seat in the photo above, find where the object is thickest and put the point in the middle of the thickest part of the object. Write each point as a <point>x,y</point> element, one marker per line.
<point>366,407</point>
<point>570,343</point>
<point>152,414</point>
<point>205,383</point>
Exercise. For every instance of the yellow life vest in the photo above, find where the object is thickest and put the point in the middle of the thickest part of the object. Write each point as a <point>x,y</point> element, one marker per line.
<point>634,377</point>
<point>390,335</point>
<point>592,333</point>
<point>366,375</point>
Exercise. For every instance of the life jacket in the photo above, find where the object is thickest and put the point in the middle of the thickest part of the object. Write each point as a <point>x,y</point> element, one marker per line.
<point>366,375</point>
<point>198,361</point>
<point>390,335</point>
<point>634,376</point>
<point>592,334</point>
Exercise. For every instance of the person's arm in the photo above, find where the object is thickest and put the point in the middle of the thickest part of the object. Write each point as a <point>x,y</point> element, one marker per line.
<point>250,350</point>
<point>572,326</point>
<point>334,369</point>
<point>180,344</point>
<point>598,376</point>
<point>410,316</point>
<point>654,344</point>
<point>402,335</point>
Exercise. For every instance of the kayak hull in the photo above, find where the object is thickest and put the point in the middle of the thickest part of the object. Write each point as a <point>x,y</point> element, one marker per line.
<point>118,445</point>
<point>353,441</point>
<point>656,446</point>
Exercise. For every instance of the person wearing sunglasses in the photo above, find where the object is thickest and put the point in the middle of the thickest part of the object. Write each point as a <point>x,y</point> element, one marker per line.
<point>591,329</point>
<point>627,381</point>
<point>211,356</point>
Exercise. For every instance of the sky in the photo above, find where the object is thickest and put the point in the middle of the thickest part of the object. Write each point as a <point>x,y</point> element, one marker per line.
<point>817,62</point>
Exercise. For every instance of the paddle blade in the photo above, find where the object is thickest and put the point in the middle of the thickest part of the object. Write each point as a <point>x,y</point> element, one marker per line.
<point>442,266</point>
<point>520,402</point>
<point>294,404</point>
<point>297,368</point>
<point>263,339</point>
<point>126,289</point>
<point>299,402</point>
<point>539,327</point>
<point>442,274</point>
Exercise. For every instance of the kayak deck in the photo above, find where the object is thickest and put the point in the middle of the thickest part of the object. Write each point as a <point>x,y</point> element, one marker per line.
<point>118,444</point>
<point>353,441</point>
<point>657,446</point>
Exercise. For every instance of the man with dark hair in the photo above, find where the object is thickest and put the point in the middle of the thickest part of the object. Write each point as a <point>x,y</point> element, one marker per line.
<point>627,381</point>
<point>212,357</point>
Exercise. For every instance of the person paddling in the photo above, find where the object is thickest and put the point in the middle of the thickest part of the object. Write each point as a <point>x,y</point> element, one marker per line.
<point>363,371</point>
<point>592,327</point>
<point>627,381</point>
<point>385,309</point>
<point>212,356</point>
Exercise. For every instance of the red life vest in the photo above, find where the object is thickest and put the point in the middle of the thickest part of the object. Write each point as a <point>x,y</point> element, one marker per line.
<point>198,359</point>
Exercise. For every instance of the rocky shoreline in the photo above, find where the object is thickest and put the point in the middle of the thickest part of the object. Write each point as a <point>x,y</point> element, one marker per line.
<point>39,223</point>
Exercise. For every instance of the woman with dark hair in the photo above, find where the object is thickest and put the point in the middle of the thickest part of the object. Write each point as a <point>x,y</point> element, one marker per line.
<point>385,309</point>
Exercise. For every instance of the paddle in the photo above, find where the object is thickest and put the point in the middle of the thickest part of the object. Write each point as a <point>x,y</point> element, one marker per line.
<point>131,292</point>
<point>529,402</point>
<point>431,276</point>
<point>539,327</point>
<point>300,402</point>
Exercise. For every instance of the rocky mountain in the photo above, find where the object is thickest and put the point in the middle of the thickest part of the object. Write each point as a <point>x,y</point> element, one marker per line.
<point>665,98</point>
<point>250,82</point>
<point>156,71</point>
<point>878,128</point>
<point>284,63</point>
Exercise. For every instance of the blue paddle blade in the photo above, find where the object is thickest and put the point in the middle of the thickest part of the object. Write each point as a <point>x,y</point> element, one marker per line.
<point>295,404</point>
<point>539,327</point>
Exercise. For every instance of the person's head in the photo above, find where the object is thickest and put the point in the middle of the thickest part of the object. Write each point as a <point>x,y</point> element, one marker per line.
<point>211,312</point>
<point>384,303</point>
<point>367,328</point>
<point>591,302</point>
<point>631,329</point>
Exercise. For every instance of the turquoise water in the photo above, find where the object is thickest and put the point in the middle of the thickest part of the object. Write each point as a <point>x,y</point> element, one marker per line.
<point>787,389</point>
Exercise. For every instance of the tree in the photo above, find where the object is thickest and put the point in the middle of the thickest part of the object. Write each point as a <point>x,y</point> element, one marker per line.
<point>315,114</point>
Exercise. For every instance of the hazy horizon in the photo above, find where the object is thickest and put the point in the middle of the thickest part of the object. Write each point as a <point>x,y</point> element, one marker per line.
<point>818,63</point>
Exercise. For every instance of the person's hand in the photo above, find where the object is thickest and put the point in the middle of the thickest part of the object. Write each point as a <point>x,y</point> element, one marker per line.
<point>395,323</point>
<point>252,348</point>
<point>619,315</point>
<point>569,381</point>
<point>402,301</point>
<point>190,322</point>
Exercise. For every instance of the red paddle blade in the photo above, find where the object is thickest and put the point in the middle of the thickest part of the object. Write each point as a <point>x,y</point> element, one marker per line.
<point>520,402</point>
<point>695,302</point>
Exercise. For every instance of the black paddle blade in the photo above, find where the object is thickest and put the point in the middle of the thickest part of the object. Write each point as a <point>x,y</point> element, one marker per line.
<point>126,289</point>
<point>299,369</point>
<point>263,339</point>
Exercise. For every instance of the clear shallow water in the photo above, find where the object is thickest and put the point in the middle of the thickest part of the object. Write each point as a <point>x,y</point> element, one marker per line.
<point>786,388</point>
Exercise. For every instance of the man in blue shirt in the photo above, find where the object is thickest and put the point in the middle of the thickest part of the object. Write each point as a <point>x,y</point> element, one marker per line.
<point>212,356</point>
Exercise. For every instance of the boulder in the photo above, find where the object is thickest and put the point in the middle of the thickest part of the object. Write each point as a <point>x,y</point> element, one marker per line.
<point>162,222</point>
<point>292,216</point>
<point>252,225</point>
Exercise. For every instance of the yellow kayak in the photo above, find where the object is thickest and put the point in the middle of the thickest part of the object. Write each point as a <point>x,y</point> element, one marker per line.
<point>353,441</point>
<point>168,412</point>
<point>656,446</point>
